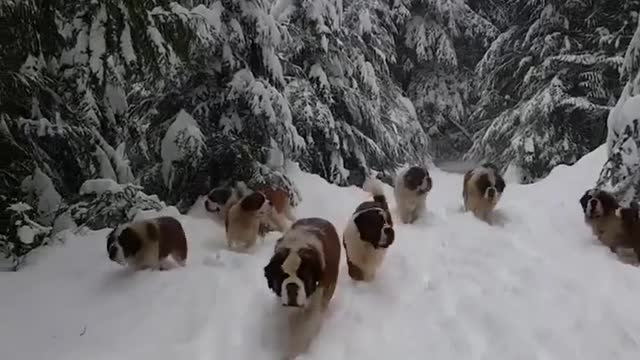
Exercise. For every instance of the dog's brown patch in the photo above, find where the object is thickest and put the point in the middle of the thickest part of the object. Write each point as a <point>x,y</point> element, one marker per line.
<point>278,197</point>
<point>253,202</point>
<point>174,240</point>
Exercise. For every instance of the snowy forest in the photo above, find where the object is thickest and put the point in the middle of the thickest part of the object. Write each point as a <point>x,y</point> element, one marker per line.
<point>159,101</point>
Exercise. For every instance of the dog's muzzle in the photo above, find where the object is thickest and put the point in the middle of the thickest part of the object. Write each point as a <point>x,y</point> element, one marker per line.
<point>491,193</point>
<point>592,208</point>
<point>387,237</point>
<point>292,292</point>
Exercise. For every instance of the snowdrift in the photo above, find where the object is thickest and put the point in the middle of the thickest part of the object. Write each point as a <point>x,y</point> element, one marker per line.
<point>535,286</point>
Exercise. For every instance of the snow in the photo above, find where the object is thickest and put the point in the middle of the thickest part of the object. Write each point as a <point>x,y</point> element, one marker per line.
<point>534,286</point>
<point>26,234</point>
<point>41,187</point>
<point>185,127</point>
<point>212,15</point>
<point>364,26</point>
<point>126,43</point>
<point>100,186</point>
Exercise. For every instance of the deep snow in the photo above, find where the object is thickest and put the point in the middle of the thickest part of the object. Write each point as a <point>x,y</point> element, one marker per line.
<point>537,286</point>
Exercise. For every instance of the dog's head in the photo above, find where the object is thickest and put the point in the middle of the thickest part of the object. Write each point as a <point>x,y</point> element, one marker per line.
<point>375,227</point>
<point>417,178</point>
<point>219,198</point>
<point>490,184</point>
<point>123,242</point>
<point>598,203</point>
<point>257,203</point>
<point>293,275</point>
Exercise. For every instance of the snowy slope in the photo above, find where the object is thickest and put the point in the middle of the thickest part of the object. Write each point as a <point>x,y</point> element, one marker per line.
<point>536,287</point>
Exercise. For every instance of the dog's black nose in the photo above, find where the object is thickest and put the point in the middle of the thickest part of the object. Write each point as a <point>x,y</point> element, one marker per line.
<point>593,203</point>
<point>491,192</point>
<point>388,231</point>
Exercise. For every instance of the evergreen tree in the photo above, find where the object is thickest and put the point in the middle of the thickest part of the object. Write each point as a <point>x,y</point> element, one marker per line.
<point>439,43</point>
<point>548,83</point>
<point>621,172</point>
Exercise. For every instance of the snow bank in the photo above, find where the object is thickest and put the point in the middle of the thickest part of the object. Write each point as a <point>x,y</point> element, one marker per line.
<point>535,286</point>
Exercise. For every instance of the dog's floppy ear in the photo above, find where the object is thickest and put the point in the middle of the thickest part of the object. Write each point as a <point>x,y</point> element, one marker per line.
<point>369,223</point>
<point>311,263</point>
<point>584,200</point>
<point>129,241</point>
<point>609,203</point>
<point>273,270</point>
<point>253,202</point>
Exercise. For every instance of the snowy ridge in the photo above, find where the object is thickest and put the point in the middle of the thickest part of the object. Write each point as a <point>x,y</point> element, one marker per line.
<point>536,286</point>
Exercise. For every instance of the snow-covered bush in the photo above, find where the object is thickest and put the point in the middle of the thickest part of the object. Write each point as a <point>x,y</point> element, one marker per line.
<point>103,203</point>
<point>20,233</point>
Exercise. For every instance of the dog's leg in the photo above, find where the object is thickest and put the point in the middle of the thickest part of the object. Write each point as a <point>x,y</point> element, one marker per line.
<point>421,206</point>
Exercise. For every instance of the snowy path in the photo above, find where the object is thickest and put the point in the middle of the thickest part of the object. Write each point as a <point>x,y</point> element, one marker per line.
<point>536,287</point>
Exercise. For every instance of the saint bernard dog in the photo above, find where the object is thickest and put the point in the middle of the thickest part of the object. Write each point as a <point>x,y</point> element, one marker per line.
<point>303,273</point>
<point>221,199</point>
<point>242,223</point>
<point>630,224</point>
<point>368,234</point>
<point>411,187</point>
<point>482,189</point>
<point>148,243</point>
<point>599,208</point>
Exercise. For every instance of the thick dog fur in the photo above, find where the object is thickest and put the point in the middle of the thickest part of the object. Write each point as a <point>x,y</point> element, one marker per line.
<point>482,189</point>
<point>630,222</point>
<point>221,199</point>
<point>148,243</point>
<point>411,187</point>
<point>368,234</point>
<point>599,209</point>
<point>242,224</point>
<point>303,273</point>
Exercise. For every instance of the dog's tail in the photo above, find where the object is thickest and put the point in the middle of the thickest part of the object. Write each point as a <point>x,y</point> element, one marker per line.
<point>375,187</point>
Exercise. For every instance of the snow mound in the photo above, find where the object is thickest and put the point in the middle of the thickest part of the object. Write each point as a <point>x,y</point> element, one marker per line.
<point>535,286</point>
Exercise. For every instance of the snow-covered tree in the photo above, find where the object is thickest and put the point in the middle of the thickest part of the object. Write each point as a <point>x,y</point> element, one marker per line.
<point>548,83</point>
<point>621,172</point>
<point>344,100</point>
<point>439,43</point>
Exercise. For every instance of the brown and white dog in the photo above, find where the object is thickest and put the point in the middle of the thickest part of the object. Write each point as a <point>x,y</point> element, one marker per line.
<point>630,235</point>
<point>411,187</point>
<point>303,273</point>
<point>599,209</point>
<point>242,223</point>
<point>148,243</point>
<point>482,189</point>
<point>221,199</point>
<point>368,234</point>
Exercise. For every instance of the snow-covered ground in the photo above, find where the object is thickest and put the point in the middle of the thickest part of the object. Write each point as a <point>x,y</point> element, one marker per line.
<point>537,286</point>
